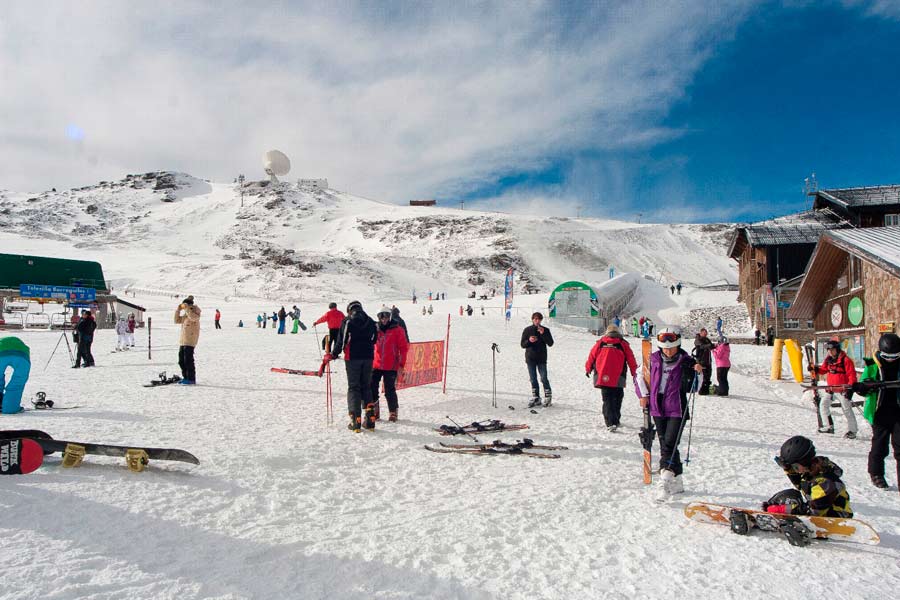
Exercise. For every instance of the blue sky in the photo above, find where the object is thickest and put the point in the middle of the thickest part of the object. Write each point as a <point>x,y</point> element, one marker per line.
<point>690,110</point>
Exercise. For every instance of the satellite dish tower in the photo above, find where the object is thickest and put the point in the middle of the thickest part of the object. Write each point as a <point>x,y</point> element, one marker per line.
<point>276,163</point>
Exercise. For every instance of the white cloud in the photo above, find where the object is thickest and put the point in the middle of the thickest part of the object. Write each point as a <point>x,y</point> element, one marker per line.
<point>392,101</point>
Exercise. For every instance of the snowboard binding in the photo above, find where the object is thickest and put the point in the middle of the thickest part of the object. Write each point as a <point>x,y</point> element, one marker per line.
<point>796,533</point>
<point>740,522</point>
<point>40,401</point>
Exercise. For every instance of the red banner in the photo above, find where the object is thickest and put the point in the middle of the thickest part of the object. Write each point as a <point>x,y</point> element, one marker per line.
<point>424,364</point>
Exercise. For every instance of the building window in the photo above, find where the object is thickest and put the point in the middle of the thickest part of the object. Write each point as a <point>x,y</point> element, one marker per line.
<point>791,324</point>
<point>855,272</point>
<point>890,220</point>
<point>810,325</point>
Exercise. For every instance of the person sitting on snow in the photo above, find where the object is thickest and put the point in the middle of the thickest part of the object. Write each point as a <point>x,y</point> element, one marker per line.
<point>818,489</point>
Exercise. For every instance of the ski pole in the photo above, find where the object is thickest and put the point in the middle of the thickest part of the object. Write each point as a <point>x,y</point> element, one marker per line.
<point>461,428</point>
<point>684,415</point>
<point>687,458</point>
<point>316,331</point>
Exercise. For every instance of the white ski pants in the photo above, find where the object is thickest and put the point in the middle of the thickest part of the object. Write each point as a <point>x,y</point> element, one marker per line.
<point>825,408</point>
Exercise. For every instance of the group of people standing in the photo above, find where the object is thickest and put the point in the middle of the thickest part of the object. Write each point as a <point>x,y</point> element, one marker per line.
<point>279,320</point>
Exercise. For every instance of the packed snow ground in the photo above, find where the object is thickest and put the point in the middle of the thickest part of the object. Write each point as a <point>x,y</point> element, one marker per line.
<point>285,506</point>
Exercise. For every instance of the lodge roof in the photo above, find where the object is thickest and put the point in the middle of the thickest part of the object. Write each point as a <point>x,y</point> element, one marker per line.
<point>877,245</point>
<point>879,195</point>
<point>799,228</point>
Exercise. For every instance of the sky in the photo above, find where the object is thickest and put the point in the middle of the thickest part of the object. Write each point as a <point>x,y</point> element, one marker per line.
<point>660,111</point>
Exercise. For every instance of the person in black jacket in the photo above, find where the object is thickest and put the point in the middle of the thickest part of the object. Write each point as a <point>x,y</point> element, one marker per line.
<point>356,339</point>
<point>85,330</point>
<point>535,339</point>
<point>703,353</point>
<point>395,316</point>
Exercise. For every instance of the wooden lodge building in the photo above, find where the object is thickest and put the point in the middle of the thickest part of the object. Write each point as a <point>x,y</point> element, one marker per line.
<point>852,289</point>
<point>773,255</point>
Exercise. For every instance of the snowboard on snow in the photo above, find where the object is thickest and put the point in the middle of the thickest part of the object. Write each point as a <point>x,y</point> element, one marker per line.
<point>830,528</point>
<point>20,456</point>
<point>49,445</point>
<point>163,380</point>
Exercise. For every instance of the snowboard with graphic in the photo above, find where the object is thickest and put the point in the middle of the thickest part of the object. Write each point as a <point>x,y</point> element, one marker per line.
<point>51,446</point>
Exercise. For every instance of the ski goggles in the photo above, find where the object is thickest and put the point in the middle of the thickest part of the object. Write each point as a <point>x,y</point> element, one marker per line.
<point>890,355</point>
<point>668,337</point>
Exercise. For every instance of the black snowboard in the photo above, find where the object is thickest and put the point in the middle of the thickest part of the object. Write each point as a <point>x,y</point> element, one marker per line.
<point>50,446</point>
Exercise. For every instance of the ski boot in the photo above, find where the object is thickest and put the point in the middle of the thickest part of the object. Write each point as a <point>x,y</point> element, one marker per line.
<point>879,482</point>
<point>612,428</point>
<point>740,522</point>
<point>850,435</point>
<point>354,423</point>
<point>548,398</point>
<point>666,478</point>
<point>393,416</point>
<point>369,418</point>
<point>795,531</point>
<point>535,399</point>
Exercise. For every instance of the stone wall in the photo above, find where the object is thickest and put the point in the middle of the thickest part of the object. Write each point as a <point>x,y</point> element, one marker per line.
<point>882,302</point>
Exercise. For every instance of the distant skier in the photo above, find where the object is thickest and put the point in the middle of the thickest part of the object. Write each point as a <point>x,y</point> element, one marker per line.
<point>610,360</point>
<point>756,336</point>
<point>295,315</point>
<point>430,309</point>
<point>334,318</point>
<point>818,489</point>
<point>703,353</point>
<point>882,407</point>
<point>672,374</point>
<point>282,320</point>
<point>132,324</point>
<point>390,357</point>
<point>85,330</point>
<point>770,336</point>
<point>265,320</point>
<point>217,318</point>
<point>469,309</point>
<point>425,310</point>
<point>840,374</point>
<point>719,324</point>
<point>634,326</point>
<point>678,287</point>
<point>240,323</point>
<point>356,339</point>
<point>617,321</point>
<point>395,315</point>
<point>259,321</point>
<point>535,340</point>
<point>188,316</point>
<point>672,289</point>
<point>121,335</point>
<point>274,320</point>
<point>722,355</point>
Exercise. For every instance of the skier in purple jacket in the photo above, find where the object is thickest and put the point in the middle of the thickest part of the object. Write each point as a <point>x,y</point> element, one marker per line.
<point>672,377</point>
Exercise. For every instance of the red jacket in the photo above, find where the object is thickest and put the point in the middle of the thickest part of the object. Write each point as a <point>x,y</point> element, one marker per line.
<point>218,316</point>
<point>839,370</point>
<point>609,358</point>
<point>390,348</point>
<point>333,317</point>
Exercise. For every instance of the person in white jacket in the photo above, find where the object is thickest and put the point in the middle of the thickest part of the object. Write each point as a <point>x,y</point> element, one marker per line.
<point>122,333</point>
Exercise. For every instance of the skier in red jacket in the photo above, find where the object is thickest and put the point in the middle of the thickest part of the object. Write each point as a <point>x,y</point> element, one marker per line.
<point>840,375</point>
<point>334,318</point>
<point>390,357</point>
<point>610,360</point>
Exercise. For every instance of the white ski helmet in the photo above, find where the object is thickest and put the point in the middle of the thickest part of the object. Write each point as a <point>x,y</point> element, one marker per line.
<point>669,337</point>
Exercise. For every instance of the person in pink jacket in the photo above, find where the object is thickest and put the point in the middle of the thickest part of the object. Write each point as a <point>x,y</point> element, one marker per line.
<point>722,355</point>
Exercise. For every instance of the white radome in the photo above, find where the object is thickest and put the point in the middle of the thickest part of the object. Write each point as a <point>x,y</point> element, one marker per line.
<point>277,163</point>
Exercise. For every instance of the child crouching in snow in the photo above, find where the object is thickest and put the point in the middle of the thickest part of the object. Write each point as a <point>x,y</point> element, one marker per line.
<point>818,489</point>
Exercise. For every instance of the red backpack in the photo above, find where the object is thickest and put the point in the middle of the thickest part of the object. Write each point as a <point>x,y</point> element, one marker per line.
<point>609,366</point>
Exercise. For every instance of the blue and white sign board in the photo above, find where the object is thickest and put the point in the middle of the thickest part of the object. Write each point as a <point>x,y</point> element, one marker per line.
<point>783,304</point>
<point>58,292</point>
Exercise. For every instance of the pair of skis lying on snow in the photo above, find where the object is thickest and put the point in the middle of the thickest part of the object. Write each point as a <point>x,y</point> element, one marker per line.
<point>525,447</point>
<point>23,450</point>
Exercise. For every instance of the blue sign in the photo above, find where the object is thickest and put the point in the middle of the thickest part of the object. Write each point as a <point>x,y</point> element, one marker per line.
<point>783,304</point>
<point>58,292</point>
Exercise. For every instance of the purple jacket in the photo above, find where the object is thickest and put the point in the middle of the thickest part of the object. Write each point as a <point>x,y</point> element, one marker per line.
<point>675,393</point>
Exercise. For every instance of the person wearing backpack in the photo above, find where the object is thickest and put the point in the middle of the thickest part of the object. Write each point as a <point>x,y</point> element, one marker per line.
<point>609,361</point>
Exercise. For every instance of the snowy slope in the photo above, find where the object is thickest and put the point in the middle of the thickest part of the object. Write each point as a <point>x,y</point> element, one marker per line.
<point>192,235</point>
<point>285,506</point>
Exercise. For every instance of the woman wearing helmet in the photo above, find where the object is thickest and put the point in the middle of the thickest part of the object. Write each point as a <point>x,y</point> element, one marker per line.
<point>882,407</point>
<point>356,339</point>
<point>816,478</point>
<point>672,376</point>
<point>840,375</point>
<point>390,357</point>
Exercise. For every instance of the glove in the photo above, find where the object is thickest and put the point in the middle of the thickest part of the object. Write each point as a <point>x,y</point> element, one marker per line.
<point>777,509</point>
<point>328,357</point>
<point>587,374</point>
<point>860,388</point>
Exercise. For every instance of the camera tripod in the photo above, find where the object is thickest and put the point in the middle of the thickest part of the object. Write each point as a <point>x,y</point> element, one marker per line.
<point>62,337</point>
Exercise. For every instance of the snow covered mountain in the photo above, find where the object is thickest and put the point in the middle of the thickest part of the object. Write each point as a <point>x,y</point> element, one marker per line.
<point>176,232</point>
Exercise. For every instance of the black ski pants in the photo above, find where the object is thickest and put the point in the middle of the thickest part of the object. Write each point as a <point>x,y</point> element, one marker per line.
<point>704,384</point>
<point>885,433</point>
<point>359,385</point>
<point>186,362</point>
<point>722,381</point>
<point>218,326</point>
<point>390,388</point>
<point>83,352</point>
<point>668,429</point>
<point>612,404</point>
<point>328,340</point>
